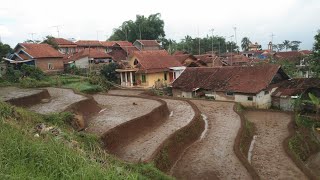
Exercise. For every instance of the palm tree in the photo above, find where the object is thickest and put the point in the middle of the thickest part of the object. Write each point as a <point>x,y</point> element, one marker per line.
<point>286,44</point>
<point>245,42</point>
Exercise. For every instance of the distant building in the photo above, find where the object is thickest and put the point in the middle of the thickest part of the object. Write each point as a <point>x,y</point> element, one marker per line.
<point>92,44</point>
<point>248,85</point>
<point>143,45</point>
<point>43,56</point>
<point>254,47</point>
<point>65,46</point>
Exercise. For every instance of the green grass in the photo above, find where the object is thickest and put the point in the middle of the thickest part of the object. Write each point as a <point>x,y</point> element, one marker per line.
<point>23,156</point>
<point>84,87</point>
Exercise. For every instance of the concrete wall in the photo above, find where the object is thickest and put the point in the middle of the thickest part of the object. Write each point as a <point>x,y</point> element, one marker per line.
<point>179,93</point>
<point>286,104</point>
<point>82,63</point>
<point>43,64</point>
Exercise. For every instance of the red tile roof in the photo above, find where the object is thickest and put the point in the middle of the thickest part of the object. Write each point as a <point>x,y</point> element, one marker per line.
<point>295,87</point>
<point>155,61</point>
<point>112,43</point>
<point>87,43</point>
<point>91,53</point>
<point>289,54</point>
<point>231,78</point>
<point>149,42</point>
<point>40,50</point>
<point>64,42</point>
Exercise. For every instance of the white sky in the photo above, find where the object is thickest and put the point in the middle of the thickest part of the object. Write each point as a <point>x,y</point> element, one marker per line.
<point>257,19</point>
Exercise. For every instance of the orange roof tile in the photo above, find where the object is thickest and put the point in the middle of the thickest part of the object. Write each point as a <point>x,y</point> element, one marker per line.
<point>40,50</point>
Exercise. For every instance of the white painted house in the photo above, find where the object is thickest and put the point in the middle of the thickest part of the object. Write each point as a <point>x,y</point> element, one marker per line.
<point>250,86</point>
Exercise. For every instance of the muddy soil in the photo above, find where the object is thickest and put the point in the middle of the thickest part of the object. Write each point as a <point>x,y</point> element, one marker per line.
<point>146,144</point>
<point>7,93</point>
<point>117,110</point>
<point>213,155</point>
<point>126,92</point>
<point>59,101</point>
<point>313,163</point>
<point>269,157</point>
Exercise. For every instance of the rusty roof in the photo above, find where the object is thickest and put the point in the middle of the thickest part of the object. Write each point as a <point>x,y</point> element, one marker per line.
<point>231,78</point>
<point>91,53</point>
<point>63,42</point>
<point>148,42</point>
<point>155,61</point>
<point>293,87</point>
<point>40,50</point>
<point>87,43</point>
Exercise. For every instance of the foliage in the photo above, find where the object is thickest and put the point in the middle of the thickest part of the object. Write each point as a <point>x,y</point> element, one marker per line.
<point>151,27</point>
<point>289,67</point>
<point>315,101</point>
<point>12,75</point>
<point>84,87</point>
<point>191,45</point>
<point>109,72</point>
<point>72,70</point>
<point>5,49</point>
<point>245,42</point>
<point>50,40</point>
<point>32,41</point>
<point>32,72</point>
<point>73,155</point>
<point>315,58</point>
<point>59,119</point>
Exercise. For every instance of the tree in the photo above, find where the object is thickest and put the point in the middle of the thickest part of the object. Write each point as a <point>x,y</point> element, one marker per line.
<point>286,44</point>
<point>148,28</point>
<point>5,49</point>
<point>109,72</point>
<point>294,45</point>
<point>50,40</point>
<point>245,42</point>
<point>32,41</point>
<point>315,58</point>
<point>315,102</point>
<point>281,47</point>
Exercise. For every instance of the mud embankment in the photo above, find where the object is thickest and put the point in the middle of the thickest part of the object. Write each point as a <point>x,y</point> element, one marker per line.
<point>129,130</point>
<point>298,162</point>
<point>30,100</point>
<point>246,142</point>
<point>173,147</point>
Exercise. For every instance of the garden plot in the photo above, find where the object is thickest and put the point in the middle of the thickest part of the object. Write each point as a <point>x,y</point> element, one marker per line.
<point>60,100</point>
<point>8,93</point>
<point>117,110</point>
<point>213,155</point>
<point>146,144</point>
<point>269,157</point>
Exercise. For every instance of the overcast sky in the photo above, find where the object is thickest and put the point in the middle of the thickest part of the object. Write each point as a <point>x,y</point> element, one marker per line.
<point>256,19</point>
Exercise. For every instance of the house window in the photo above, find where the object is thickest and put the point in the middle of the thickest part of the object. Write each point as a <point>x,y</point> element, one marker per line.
<point>135,62</point>
<point>50,66</point>
<point>266,92</point>
<point>165,76</point>
<point>143,78</point>
<point>229,93</point>
<point>250,98</point>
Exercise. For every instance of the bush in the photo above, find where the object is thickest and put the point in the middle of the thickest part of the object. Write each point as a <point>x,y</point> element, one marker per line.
<point>32,72</point>
<point>109,72</point>
<point>59,118</point>
<point>12,75</point>
<point>33,83</point>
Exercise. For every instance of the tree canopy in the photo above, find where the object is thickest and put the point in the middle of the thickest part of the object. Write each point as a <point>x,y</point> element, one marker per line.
<point>5,49</point>
<point>315,59</point>
<point>245,42</point>
<point>148,28</point>
<point>50,40</point>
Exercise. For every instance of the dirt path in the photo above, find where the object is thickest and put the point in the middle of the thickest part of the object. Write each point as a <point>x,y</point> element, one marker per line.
<point>117,110</point>
<point>213,156</point>
<point>126,92</point>
<point>7,93</point>
<point>60,100</point>
<point>269,157</point>
<point>143,147</point>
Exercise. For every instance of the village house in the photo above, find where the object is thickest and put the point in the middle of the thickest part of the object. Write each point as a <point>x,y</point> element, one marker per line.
<point>43,56</point>
<point>189,60</point>
<point>121,50</point>
<point>244,84</point>
<point>211,60</point>
<point>150,69</point>
<point>92,44</point>
<point>84,58</point>
<point>288,91</point>
<point>65,46</point>
<point>143,45</point>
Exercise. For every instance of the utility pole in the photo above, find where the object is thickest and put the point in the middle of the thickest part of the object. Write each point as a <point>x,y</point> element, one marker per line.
<point>272,35</point>
<point>235,34</point>
<point>212,45</point>
<point>57,26</point>
<point>231,49</point>
<point>32,36</point>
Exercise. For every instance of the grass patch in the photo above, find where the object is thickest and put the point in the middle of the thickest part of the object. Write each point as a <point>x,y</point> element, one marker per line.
<point>84,87</point>
<point>71,155</point>
<point>303,143</point>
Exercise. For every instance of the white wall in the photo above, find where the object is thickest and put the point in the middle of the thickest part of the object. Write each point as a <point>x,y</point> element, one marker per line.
<point>82,63</point>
